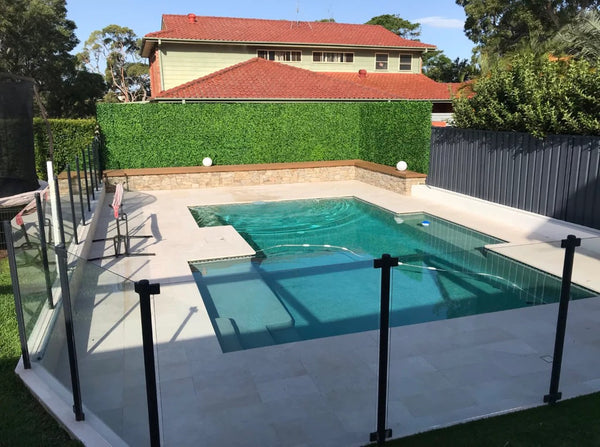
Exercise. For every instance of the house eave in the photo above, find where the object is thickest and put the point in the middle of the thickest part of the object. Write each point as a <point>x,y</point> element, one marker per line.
<point>148,42</point>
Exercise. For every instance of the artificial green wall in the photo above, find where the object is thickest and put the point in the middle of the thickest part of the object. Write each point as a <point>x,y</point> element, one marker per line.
<point>70,137</point>
<point>161,135</point>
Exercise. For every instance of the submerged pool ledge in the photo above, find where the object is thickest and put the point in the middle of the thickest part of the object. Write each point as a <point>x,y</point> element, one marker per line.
<point>189,177</point>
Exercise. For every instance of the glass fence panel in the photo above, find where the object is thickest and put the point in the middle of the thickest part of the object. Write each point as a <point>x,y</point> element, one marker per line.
<point>37,278</point>
<point>106,323</point>
<point>473,331</point>
<point>271,349</point>
<point>110,351</point>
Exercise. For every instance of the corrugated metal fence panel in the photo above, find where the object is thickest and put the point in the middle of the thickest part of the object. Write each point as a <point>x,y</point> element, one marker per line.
<point>557,177</point>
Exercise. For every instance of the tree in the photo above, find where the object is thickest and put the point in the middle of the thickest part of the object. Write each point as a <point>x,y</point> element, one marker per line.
<point>582,37</point>
<point>118,47</point>
<point>77,95</point>
<point>534,95</point>
<point>35,40</point>
<point>501,27</point>
<point>397,25</point>
<point>440,68</point>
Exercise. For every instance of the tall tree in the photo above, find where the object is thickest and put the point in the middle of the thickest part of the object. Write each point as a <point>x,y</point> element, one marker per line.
<point>439,67</point>
<point>502,27</point>
<point>118,47</point>
<point>35,40</point>
<point>397,25</point>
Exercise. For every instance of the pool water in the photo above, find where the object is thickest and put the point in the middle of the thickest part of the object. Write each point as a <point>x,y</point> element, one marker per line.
<point>313,273</point>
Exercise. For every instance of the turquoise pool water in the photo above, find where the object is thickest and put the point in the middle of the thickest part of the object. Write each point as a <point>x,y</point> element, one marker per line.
<point>313,274</point>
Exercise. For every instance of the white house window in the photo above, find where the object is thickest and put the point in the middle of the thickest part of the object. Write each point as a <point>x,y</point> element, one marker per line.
<point>405,62</point>
<point>325,56</point>
<point>280,55</point>
<point>381,61</point>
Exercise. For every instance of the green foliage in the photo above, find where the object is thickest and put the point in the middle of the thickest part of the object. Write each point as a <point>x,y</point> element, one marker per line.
<point>536,96</point>
<point>390,133</point>
<point>440,68</point>
<point>70,138</point>
<point>397,25</point>
<point>581,38</point>
<point>118,47</point>
<point>500,28</point>
<point>160,135</point>
<point>35,40</point>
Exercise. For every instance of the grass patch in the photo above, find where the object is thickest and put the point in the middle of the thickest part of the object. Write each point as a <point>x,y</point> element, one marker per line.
<point>572,422</point>
<point>23,420</point>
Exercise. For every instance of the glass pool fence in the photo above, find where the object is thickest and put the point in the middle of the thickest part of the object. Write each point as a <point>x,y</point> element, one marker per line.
<point>81,328</point>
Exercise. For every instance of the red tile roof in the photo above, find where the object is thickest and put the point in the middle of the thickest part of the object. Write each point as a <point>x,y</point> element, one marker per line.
<point>261,79</point>
<point>230,29</point>
<point>404,85</point>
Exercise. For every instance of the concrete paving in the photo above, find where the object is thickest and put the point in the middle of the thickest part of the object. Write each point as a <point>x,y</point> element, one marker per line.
<point>318,392</point>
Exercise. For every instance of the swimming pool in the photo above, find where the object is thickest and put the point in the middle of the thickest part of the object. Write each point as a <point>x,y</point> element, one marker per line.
<point>313,273</point>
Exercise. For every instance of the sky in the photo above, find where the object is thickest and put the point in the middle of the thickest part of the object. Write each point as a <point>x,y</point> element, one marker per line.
<point>441,20</point>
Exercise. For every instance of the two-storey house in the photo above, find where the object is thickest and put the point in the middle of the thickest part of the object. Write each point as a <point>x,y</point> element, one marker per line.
<point>194,58</point>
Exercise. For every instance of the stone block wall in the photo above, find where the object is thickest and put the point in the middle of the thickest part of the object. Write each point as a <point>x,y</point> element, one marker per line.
<point>266,174</point>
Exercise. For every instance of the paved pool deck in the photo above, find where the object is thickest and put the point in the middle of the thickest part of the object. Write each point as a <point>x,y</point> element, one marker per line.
<point>323,392</point>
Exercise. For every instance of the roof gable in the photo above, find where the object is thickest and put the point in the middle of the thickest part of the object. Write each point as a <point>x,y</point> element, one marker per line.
<point>261,79</point>
<point>228,29</point>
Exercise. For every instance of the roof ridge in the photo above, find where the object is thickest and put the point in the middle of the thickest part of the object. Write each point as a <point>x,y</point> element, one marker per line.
<point>199,28</point>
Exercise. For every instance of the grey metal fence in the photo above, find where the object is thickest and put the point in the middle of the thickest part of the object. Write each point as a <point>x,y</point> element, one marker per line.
<point>557,177</point>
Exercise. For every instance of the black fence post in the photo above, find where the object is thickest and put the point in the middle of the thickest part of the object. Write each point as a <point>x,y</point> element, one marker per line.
<point>80,191</point>
<point>144,290</point>
<point>59,215</point>
<point>70,331</point>
<point>14,277</point>
<point>569,245</point>
<point>87,189</point>
<point>96,157</point>
<point>44,249</point>
<point>385,264</point>
<point>91,173</point>
<point>72,202</point>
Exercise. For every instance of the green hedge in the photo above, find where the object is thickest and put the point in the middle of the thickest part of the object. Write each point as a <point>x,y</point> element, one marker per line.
<point>160,135</point>
<point>70,136</point>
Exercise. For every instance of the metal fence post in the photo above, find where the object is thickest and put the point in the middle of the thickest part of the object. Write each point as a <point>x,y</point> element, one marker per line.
<point>144,290</point>
<point>87,189</point>
<point>14,277</point>
<point>569,245</point>
<point>91,172</point>
<point>80,190</point>
<point>59,215</point>
<point>70,332</point>
<point>44,249</point>
<point>385,263</point>
<point>71,201</point>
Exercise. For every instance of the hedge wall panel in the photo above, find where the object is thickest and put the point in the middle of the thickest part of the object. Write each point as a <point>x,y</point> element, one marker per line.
<point>160,135</point>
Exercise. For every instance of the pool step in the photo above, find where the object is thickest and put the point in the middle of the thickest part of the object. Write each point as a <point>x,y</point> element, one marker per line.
<point>227,334</point>
<point>285,335</point>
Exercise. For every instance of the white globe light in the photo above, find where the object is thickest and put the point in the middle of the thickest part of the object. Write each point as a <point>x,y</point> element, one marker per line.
<point>401,166</point>
<point>207,161</point>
